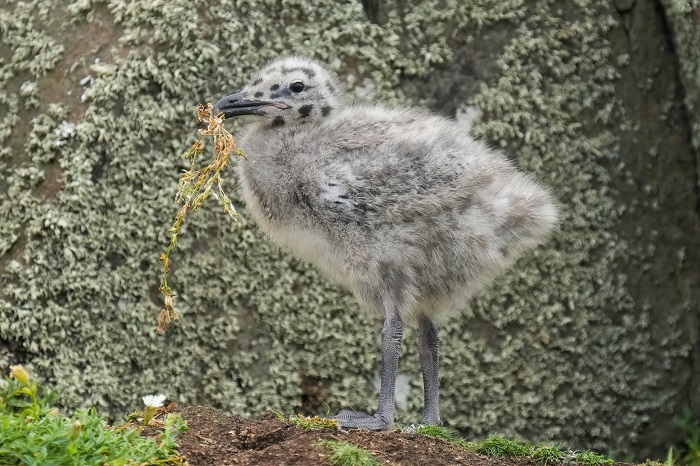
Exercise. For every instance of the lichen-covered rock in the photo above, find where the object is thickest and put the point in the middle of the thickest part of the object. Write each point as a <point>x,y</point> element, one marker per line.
<point>587,341</point>
<point>684,20</point>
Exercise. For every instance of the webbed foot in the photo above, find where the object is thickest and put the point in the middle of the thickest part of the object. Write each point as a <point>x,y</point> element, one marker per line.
<point>431,421</point>
<point>360,420</point>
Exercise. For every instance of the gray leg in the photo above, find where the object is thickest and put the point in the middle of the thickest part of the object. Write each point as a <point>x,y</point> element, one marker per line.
<point>429,350</point>
<point>392,333</point>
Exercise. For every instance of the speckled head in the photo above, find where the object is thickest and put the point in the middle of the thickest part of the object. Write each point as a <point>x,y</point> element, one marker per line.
<point>289,90</point>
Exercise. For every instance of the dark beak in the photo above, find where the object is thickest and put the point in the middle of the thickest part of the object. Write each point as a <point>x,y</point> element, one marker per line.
<point>236,104</point>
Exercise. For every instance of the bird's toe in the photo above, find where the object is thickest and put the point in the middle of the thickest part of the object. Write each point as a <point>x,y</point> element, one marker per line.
<point>359,420</point>
<point>431,421</point>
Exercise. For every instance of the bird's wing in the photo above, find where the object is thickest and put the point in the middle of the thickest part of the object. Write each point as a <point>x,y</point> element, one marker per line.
<point>373,184</point>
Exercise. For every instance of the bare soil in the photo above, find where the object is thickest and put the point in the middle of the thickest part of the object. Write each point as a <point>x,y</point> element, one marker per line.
<point>217,439</point>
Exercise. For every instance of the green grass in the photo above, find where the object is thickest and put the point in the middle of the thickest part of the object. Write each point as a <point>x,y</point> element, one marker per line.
<point>438,431</point>
<point>347,454</point>
<point>547,454</point>
<point>544,455</point>
<point>498,446</point>
<point>588,458</point>
<point>33,432</point>
<point>689,454</point>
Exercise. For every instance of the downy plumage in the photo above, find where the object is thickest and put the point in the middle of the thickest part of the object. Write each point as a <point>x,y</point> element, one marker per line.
<point>400,206</point>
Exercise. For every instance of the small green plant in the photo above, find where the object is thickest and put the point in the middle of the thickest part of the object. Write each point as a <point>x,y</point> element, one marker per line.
<point>690,452</point>
<point>308,422</point>
<point>669,458</point>
<point>547,454</point>
<point>544,455</point>
<point>498,446</point>
<point>589,458</point>
<point>33,432</point>
<point>347,454</point>
<point>438,431</point>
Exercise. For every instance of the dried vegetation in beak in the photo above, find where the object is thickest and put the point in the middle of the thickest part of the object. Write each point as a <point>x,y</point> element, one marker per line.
<point>194,188</point>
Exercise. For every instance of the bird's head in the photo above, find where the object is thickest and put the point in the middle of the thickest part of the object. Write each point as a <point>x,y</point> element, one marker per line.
<point>286,91</point>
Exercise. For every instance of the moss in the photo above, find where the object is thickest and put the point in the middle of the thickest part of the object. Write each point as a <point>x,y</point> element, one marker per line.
<point>437,431</point>
<point>308,422</point>
<point>534,356</point>
<point>347,454</point>
<point>498,446</point>
<point>590,458</point>
<point>548,454</point>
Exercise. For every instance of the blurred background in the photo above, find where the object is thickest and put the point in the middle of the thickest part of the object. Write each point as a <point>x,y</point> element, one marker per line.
<point>592,340</point>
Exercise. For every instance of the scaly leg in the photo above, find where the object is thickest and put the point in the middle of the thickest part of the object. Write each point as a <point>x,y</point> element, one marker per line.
<point>429,350</point>
<point>392,333</point>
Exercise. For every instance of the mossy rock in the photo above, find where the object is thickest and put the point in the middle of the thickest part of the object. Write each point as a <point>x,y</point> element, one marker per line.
<point>587,341</point>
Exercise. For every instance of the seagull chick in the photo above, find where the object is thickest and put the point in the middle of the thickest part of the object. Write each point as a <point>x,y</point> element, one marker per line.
<point>401,207</point>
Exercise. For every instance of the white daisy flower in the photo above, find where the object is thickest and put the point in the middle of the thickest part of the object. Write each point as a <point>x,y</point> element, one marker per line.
<point>155,401</point>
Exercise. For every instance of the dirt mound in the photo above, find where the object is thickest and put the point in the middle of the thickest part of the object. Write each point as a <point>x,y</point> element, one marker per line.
<point>216,439</point>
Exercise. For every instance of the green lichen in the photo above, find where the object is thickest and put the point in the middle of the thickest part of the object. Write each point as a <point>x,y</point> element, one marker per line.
<point>553,350</point>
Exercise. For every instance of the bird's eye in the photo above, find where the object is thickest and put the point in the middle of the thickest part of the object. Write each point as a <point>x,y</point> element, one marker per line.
<point>296,87</point>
